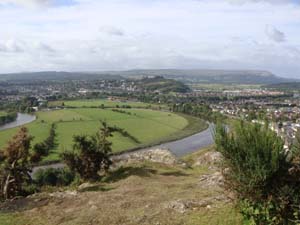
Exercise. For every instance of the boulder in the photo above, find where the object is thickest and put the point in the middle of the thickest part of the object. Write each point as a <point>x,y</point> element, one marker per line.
<point>211,159</point>
<point>182,206</point>
<point>65,194</point>
<point>84,186</point>
<point>212,180</point>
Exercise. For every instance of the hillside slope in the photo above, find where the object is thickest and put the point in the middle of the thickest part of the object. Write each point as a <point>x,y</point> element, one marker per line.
<point>57,76</point>
<point>159,83</point>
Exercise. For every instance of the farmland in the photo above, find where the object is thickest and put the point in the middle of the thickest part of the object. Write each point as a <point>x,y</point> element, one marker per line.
<point>98,103</point>
<point>148,126</point>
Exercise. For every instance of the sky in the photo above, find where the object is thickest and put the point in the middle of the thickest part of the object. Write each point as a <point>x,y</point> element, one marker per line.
<point>96,35</point>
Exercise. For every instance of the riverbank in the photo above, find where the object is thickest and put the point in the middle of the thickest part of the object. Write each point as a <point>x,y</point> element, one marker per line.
<point>178,147</point>
<point>195,126</point>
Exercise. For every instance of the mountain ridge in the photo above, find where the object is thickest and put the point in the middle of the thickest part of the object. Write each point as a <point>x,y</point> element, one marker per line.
<point>187,76</point>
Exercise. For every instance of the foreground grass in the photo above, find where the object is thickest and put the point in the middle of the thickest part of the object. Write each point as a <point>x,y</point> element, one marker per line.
<point>148,126</point>
<point>11,219</point>
<point>137,193</point>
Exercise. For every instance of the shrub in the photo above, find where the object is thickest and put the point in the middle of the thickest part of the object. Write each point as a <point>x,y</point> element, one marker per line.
<point>30,189</point>
<point>91,154</point>
<point>264,178</point>
<point>54,177</point>
<point>15,165</point>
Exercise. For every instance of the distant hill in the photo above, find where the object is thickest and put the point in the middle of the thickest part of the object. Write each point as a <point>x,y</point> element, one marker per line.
<point>187,76</point>
<point>53,75</point>
<point>211,76</point>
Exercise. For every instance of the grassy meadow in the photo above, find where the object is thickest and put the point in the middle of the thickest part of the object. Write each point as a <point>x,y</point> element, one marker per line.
<point>148,126</point>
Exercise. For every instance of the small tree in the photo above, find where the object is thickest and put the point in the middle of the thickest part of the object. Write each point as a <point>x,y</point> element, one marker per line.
<point>264,178</point>
<point>15,165</point>
<point>253,153</point>
<point>90,154</point>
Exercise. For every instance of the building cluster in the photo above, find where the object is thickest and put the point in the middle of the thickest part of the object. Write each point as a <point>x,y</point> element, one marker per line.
<point>283,117</point>
<point>14,91</point>
<point>235,93</point>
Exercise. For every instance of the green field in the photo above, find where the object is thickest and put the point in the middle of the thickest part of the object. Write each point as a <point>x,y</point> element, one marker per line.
<point>2,113</point>
<point>148,126</point>
<point>98,103</point>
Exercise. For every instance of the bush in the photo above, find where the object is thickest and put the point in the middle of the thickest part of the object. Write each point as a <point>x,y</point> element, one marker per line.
<point>30,189</point>
<point>15,165</point>
<point>264,178</point>
<point>54,177</point>
<point>91,154</point>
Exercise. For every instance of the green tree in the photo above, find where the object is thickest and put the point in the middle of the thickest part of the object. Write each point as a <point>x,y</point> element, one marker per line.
<point>91,154</point>
<point>253,153</point>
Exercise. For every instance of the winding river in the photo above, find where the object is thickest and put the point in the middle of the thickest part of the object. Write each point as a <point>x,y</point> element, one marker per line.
<point>190,144</point>
<point>22,119</point>
<point>179,148</point>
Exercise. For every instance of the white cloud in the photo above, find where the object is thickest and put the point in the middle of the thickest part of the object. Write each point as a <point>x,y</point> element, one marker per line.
<point>30,3</point>
<point>112,31</point>
<point>262,1</point>
<point>274,34</point>
<point>127,34</point>
<point>11,46</point>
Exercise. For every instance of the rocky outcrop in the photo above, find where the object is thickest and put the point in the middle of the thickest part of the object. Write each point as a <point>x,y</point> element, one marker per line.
<point>63,194</point>
<point>212,159</point>
<point>212,180</point>
<point>182,206</point>
<point>154,155</point>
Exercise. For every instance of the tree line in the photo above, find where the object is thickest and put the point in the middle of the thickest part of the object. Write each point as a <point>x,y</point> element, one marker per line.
<point>199,110</point>
<point>43,148</point>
